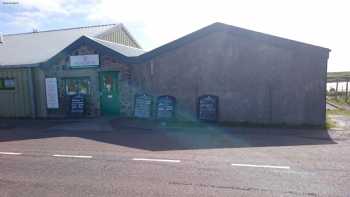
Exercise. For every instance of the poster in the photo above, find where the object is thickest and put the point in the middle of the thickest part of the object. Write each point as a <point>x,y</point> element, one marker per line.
<point>51,93</point>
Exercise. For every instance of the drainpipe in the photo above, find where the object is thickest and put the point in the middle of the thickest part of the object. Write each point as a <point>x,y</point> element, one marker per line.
<point>31,92</point>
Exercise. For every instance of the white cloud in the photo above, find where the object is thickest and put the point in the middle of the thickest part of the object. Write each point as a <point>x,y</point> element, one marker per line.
<point>27,20</point>
<point>314,21</point>
<point>45,6</point>
<point>157,21</point>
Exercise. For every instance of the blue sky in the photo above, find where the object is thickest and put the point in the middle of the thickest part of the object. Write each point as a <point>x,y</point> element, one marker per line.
<point>156,22</point>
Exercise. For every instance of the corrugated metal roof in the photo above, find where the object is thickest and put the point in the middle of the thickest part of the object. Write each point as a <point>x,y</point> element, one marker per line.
<point>120,48</point>
<point>32,48</point>
<point>338,76</point>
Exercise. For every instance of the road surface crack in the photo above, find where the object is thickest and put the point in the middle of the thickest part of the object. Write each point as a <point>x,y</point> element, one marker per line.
<point>242,188</point>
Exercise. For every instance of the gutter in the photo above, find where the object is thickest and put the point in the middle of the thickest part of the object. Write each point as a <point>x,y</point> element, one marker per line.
<point>20,66</point>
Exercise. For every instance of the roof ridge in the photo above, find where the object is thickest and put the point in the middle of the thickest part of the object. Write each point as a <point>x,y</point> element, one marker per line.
<point>63,29</point>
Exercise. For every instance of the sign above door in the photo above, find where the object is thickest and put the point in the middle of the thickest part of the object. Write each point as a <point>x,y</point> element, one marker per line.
<point>83,61</point>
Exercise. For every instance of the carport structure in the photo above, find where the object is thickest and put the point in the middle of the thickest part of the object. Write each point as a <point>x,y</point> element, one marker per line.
<point>339,77</point>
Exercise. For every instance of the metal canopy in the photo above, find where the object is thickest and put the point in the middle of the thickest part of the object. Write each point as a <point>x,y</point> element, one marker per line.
<point>338,77</point>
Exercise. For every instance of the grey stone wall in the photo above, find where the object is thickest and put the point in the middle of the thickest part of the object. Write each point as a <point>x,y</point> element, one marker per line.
<point>62,70</point>
<point>257,80</point>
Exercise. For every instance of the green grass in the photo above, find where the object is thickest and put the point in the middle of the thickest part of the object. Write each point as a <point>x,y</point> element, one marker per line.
<point>330,123</point>
<point>338,112</point>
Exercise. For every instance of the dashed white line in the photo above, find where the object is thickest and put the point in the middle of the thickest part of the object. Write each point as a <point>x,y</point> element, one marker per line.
<point>159,160</point>
<point>260,166</point>
<point>74,156</point>
<point>156,160</point>
<point>10,153</point>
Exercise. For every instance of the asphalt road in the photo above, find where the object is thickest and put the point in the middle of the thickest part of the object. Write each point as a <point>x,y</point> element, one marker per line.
<point>176,163</point>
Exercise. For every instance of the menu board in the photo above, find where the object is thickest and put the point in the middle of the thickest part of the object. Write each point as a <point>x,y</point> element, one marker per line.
<point>166,107</point>
<point>51,93</point>
<point>77,104</point>
<point>208,108</point>
<point>143,106</point>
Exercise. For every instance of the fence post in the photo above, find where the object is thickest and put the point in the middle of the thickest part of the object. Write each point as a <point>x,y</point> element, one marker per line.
<point>336,90</point>
<point>346,91</point>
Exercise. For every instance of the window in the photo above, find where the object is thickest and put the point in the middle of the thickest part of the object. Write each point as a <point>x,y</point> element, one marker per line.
<point>75,86</point>
<point>7,84</point>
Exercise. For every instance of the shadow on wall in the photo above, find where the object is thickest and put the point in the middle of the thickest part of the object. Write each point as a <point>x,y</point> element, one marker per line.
<point>150,136</point>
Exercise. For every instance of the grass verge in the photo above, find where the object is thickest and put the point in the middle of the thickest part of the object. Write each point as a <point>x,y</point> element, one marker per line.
<point>338,112</point>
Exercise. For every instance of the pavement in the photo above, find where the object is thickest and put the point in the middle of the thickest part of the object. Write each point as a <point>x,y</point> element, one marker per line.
<point>106,157</point>
<point>330,106</point>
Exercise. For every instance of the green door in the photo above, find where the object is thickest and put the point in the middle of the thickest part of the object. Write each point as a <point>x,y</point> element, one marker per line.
<point>109,93</point>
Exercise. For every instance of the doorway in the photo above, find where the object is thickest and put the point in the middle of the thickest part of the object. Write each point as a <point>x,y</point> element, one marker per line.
<point>110,104</point>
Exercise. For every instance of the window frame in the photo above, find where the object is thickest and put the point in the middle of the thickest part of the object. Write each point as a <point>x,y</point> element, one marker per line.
<point>79,80</point>
<point>2,84</point>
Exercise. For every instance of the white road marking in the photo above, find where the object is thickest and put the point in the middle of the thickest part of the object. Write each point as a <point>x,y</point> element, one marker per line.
<point>159,160</point>
<point>260,166</point>
<point>10,153</point>
<point>74,156</point>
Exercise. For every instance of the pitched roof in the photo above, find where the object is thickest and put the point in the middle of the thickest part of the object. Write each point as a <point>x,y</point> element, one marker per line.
<point>123,28</point>
<point>121,52</point>
<point>50,44</point>
<point>32,48</point>
<point>217,27</point>
<point>120,48</point>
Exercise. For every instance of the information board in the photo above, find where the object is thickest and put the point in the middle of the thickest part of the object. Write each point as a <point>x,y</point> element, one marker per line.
<point>77,104</point>
<point>166,107</point>
<point>208,108</point>
<point>143,106</point>
<point>51,93</point>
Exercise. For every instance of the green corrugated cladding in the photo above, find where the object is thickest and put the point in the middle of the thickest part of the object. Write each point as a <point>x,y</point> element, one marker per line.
<point>18,102</point>
<point>39,92</point>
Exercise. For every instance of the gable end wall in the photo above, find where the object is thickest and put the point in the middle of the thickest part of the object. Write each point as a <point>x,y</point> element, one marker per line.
<point>256,81</point>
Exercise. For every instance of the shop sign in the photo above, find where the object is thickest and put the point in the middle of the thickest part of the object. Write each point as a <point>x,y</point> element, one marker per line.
<point>51,93</point>
<point>82,61</point>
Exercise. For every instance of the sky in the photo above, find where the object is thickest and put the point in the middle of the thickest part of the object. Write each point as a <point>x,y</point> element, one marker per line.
<point>156,22</point>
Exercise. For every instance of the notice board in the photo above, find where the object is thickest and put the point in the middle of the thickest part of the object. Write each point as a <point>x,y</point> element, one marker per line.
<point>166,107</point>
<point>143,106</point>
<point>77,104</point>
<point>208,108</point>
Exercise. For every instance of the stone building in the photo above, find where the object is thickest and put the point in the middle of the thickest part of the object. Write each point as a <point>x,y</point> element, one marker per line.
<point>31,58</point>
<point>218,73</point>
